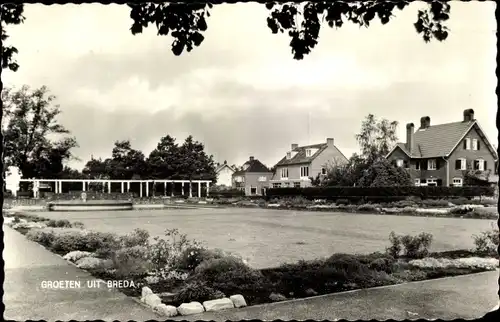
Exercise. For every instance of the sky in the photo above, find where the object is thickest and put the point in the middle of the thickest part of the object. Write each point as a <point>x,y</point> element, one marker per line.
<point>241,92</point>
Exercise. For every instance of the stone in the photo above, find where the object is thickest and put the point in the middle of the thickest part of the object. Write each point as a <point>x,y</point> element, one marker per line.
<point>217,305</point>
<point>92,262</point>
<point>238,300</point>
<point>76,255</point>
<point>165,310</point>
<point>152,279</point>
<point>277,297</point>
<point>190,308</point>
<point>311,292</point>
<point>151,300</point>
<point>145,292</point>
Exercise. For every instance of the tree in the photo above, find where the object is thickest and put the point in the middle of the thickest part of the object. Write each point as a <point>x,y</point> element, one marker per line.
<point>186,22</point>
<point>475,177</point>
<point>97,169</point>
<point>382,173</point>
<point>377,137</point>
<point>12,14</point>
<point>127,163</point>
<point>194,163</point>
<point>163,161</point>
<point>34,141</point>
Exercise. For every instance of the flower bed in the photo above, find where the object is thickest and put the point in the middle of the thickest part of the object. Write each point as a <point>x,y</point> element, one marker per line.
<point>177,273</point>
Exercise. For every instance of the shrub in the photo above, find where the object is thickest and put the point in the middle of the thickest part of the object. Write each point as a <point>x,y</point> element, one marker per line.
<point>131,262</point>
<point>231,276</point>
<point>368,207</point>
<point>411,246</point>
<point>487,242</point>
<point>483,213</point>
<point>62,223</point>
<point>78,224</point>
<point>103,244</point>
<point>42,236</point>
<point>277,297</point>
<point>435,203</point>
<point>139,237</point>
<point>197,291</point>
<point>403,204</point>
<point>342,202</point>
<point>191,257</point>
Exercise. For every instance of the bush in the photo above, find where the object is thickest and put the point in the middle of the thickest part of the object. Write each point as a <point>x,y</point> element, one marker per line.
<point>139,237</point>
<point>231,276</point>
<point>42,236</point>
<point>369,207</point>
<point>411,246</point>
<point>435,203</point>
<point>191,257</point>
<point>342,202</point>
<point>487,242</point>
<point>62,223</point>
<point>483,213</point>
<point>197,291</point>
<point>380,193</point>
<point>131,262</point>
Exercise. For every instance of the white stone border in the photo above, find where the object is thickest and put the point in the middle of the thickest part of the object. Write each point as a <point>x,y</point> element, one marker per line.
<point>153,301</point>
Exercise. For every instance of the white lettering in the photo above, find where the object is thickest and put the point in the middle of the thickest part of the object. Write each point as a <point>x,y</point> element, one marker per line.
<point>65,284</point>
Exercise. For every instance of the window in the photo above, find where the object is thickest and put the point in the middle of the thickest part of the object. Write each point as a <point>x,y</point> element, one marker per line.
<point>284,173</point>
<point>304,171</point>
<point>474,144</point>
<point>308,152</point>
<point>238,179</point>
<point>417,165</point>
<point>289,155</point>
<point>461,164</point>
<point>431,164</point>
<point>276,185</point>
<point>457,182</point>
<point>432,182</point>
<point>296,184</point>
<point>399,163</point>
<point>467,144</point>
<point>479,165</point>
<point>253,190</point>
<point>261,179</point>
<point>406,164</point>
<point>417,182</point>
<point>323,171</point>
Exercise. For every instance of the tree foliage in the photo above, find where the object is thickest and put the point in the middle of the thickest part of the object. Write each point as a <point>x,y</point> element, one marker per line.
<point>163,160</point>
<point>186,22</point>
<point>126,163</point>
<point>10,14</point>
<point>34,140</point>
<point>194,163</point>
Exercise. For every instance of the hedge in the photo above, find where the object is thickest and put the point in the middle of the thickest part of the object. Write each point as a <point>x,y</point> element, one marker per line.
<point>230,193</point>
<point>380,193</point>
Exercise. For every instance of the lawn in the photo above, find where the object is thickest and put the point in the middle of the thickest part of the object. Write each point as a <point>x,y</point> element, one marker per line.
<point>267,238</point>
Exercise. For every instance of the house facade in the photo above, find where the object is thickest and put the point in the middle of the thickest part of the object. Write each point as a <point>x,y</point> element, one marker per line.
<point>304,162</point>
<point>253,178</point>
<point>440,155</point>
<point>224,174</point>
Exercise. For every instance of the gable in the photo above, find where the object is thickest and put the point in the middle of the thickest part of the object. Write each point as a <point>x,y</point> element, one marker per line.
<point>301,156</point>
<point>399,151</point>
<point>476,132</point>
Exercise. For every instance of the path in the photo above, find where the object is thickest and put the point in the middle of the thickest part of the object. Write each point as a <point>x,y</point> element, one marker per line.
<point>27,264</point>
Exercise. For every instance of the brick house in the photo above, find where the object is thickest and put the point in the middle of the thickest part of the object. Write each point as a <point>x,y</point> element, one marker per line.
<point>440,154</point>
<point>253,178</point>
<point>303,162</point>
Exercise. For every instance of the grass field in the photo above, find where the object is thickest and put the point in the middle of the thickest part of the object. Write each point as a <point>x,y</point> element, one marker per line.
<point>267,238</point>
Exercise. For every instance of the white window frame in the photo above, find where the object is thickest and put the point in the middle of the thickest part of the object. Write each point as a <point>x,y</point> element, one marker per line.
<point>308,152</point>
<point>431,162</point>
<point>467,144</point>
<point>431,181</point>
<point>400,163</point>
<point>284,173</point>
<point>474,144</point>
<point>252,187</point>
<point>262,179</point>
<point>463,163</point>
<point>303,170</point>
<point>296,184</point>
<point>480,165</point>
<point>457,182</point>
<point>289,155</point>
<point>417,182</point>
<point>276,184</point>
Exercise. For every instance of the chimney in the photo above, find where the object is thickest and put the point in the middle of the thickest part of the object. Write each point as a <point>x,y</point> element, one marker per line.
<point>425,122</point>
<point>468,115</point>
<point>329,141</point>
<point>294,146</point>
<point>251,158</point>
<point>225,162</point>
<point>410,129</point>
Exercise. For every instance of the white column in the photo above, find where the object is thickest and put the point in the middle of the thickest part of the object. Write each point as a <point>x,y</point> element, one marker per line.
<point>83,186</point>
<point>140,190</point>
<point>199,189</point>
<point>183,188</point>
<point>109,186</point>
<point>190,189</point>
<point>208,186</point>
<point>60,186</point>
<point>173,187</point>
<point>56,187</point>
<point>128,186</point>
<point>147,188</point>
<point>165,188</point>
<point>123,186</point>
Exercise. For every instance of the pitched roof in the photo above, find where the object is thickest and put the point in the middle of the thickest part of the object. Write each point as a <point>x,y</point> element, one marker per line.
<point>222,166</point>
<point>253,166</point>
<point>300,156</point>
<point>438,140</point>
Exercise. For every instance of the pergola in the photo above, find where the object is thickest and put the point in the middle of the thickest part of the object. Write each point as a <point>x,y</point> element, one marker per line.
<point>108,182</point>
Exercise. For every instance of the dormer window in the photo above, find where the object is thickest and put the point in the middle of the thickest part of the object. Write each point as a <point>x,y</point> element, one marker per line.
<point>289,155</point>
<point>308,153</point>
